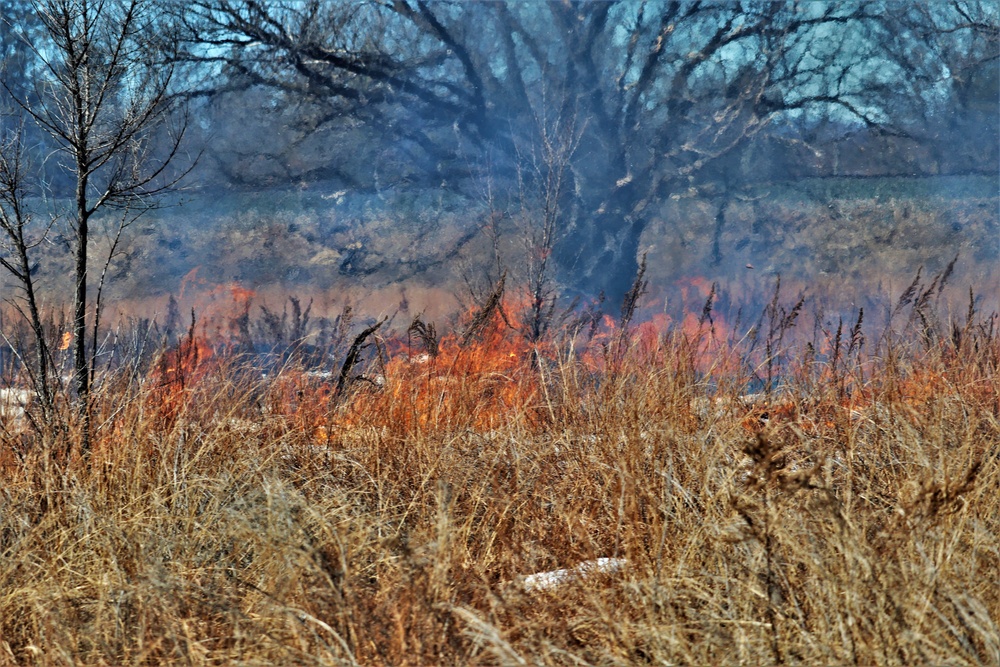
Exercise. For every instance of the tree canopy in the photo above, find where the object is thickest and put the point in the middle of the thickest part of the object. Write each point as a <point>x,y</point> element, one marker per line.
<point>619,105</point>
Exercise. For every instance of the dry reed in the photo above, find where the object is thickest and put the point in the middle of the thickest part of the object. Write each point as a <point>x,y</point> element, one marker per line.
<point>850,518</point>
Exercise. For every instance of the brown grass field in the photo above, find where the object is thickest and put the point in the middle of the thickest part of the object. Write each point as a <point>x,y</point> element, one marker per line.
<point>846,512</point>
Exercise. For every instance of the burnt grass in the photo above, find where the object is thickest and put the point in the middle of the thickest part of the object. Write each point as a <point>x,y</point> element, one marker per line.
<point>845,511</point>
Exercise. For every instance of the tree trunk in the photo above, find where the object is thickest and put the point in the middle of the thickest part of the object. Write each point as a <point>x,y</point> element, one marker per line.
<point>42,379</point>
<point>81,369</point>
<point>602,256</point>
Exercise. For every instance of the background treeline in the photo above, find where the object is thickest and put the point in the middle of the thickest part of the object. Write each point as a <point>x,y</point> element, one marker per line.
<point>568,124</point>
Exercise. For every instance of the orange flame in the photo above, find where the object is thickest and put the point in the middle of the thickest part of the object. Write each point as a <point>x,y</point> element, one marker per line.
<point>67,338</point>
<point>181,369</point>
<point>498,376</point>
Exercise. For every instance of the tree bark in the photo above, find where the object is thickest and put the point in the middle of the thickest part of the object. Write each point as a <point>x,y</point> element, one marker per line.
<point>81,367</point>
<point>603,256</point>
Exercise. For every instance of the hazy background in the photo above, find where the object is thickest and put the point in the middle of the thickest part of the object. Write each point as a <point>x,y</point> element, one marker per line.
<point>402,153</point>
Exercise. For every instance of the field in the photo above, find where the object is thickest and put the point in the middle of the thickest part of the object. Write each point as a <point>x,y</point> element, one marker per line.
<point>834,238</point>
<point>679,489</point>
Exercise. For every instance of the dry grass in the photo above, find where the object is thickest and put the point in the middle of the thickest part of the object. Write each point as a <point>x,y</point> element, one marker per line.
<point>236,522</point>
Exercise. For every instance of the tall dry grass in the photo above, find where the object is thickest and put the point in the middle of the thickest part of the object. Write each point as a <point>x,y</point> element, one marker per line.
<point>850,517</point>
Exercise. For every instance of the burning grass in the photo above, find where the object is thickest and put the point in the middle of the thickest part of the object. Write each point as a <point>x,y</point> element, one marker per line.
<point>622,494</point>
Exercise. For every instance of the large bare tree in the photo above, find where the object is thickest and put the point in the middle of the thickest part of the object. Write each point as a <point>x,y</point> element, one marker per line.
<point>659,98</point>
<point>102,94</point>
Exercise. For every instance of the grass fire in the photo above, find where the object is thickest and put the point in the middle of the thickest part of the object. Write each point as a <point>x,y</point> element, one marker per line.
<point>424,332</point>
<point>275,490</point>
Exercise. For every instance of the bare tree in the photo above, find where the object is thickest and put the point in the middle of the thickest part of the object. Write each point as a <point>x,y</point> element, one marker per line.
<point>104,98</point>
<point>543,175</point>
<point>672,92</point>
<point>956,65</point>
<point>19,238</point>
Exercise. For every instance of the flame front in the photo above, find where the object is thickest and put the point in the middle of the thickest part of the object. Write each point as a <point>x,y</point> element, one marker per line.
<point>492,376</point>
